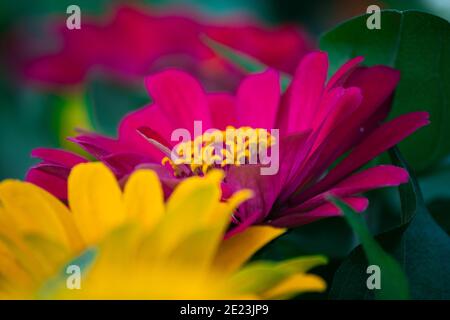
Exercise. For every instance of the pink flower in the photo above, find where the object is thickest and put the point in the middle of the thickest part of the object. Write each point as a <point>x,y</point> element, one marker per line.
<point>319,121</point>
<point>135,42</point>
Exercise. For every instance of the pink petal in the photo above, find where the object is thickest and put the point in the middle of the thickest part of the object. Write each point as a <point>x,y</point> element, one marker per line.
<point>291,219</point>
<point>148,117</point>
<point>57,156</point>
<point>383,138</point>
<point>305,92</point>
<point>372,178</point>
<point>223,110</point>
<point>342,103</point>
<point>96,144</point>
<point>293,151</point>
<point>280,47</point>
<point>343,72</point>
<point>58,69</point>
<point>258,97</point>
<point>51,183</point>
<point>180,97</point>
<point>53,169</point>
<point>124,163</point>
<point>376,85</point>
<point>265,188</point>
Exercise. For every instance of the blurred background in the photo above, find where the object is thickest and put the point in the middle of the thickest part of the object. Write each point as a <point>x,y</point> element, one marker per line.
<point>34,113</point>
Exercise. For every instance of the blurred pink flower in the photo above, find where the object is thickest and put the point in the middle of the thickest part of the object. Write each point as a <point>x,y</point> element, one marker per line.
<point>319,121</point>
<point>136,42</point>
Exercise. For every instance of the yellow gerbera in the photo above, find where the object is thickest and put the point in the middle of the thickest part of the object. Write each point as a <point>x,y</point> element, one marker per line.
<point>131,244</point>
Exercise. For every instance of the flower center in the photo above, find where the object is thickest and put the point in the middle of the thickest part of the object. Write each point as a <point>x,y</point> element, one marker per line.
<point>220,149</point>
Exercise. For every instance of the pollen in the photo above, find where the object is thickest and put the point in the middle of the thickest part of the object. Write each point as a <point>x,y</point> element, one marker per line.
<point>220,149</point>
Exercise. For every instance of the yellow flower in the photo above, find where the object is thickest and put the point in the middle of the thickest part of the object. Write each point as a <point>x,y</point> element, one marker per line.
<point>133,245</point>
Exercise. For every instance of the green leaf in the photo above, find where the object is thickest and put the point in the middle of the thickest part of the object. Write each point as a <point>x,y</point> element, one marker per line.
<point>330,237</point>
<point>436,192</point>
<point>440,209</point>
<point>435,184</point>
<point>420,246</point>
<point>417,44</point>
<point>411,197</point>
<point>242,61</point>
<point>394,284</point>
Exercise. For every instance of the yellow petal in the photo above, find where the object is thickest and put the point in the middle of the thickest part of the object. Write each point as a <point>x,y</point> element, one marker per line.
<point>260,277</point>
<point>25,261</point>
<point>12,273</point>
<point>302,264</point>
<point>256,278</point>
<point>114,261</point>
<point>235,251</point>
<point>295,284</point>
<point>190,207</point>
<point>95,200</point>
<point>194,254</point>
<point>32,210</point>
<point>144,198</point>
<point>225,209</point>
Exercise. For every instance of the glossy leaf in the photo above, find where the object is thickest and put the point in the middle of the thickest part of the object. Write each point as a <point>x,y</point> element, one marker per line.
<point>394,284</point>
<point>420,246</point>
<point>417,44</point>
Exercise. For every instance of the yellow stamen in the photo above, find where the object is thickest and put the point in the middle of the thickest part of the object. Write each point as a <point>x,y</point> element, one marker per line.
<point>220,149</point>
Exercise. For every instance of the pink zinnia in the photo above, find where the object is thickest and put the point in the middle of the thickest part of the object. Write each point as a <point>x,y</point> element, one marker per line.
<point>138,41</point>
<point>319,121</point>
